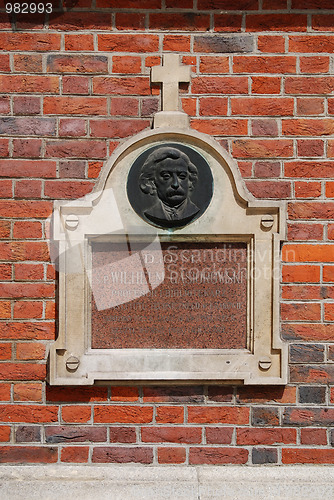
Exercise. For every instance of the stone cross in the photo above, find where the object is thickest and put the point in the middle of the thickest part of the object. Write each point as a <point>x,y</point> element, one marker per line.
<point>170,75</point>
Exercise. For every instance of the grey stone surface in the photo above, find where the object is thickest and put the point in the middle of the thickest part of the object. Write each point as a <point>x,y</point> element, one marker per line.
<point>147,483</point>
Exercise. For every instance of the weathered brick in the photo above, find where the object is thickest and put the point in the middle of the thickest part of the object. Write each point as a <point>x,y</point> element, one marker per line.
<point>39,42</point>
<point>264,456</point>
<point>262,148</point>
<point>117,128</point>
<point>28,434</point>
<point>264,64</point>
<point>220,85</point>
<point>265,127</point>
<point>218,414</point>
<point>313,374</point>
<point>307,353</point>
<point>113,454</point>
<point>313,436</point>
<point>310,147</point>
<point>310,106</point>
<point>28,126</point>
<point>270,189</point>
<point>126,64</point>
<point>171,434</point>
<point>170,455</point>
<point>28,454</point>
<point>305,232</point>
<point>219,435</point>
<point>248,106</point>
<point>75,434</point>
<point>132,85</point>
<point>77,64</point>
<point>178,21</point>
<point>312,394</point>
<point>246,436</point>
<point>128,42</point>
<point>265,416</point>
<point>28,309</point>
<point>74,21</point>
<point>79,42</point>
<point>266,85</point>
<point>223,44</point>
<point>169,415</point>
<point>308,127</point>
<point>25,392</point>
<point>27,331</point>
<point>123,414</point>
<point>214,456</point>
<point>130,20</point>
<point>220,126</point>
<point>309,85</point>
<point>311,44</point>
<point>174,394</point>
<point>122,435</point>
<point>300,312</point>
<point>314,64</point>
<point>76,149</point>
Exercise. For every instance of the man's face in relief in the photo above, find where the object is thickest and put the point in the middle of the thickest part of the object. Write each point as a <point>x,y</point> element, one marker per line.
<point>172,181</point>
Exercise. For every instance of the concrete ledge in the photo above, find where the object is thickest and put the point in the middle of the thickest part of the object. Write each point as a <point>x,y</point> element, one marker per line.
<point>53,482</point>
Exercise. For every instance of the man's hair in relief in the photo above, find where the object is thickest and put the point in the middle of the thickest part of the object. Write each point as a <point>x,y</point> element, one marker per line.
<point>147,172</point>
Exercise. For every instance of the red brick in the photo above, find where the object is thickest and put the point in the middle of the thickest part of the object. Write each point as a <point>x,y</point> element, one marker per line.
<point>27,126</point>
<point>251,437</point>
<point>276,22</point>
<point>117,128</point>
<point>179,21</point>
<point>28,454</point>
<point>76,414</point>
<point>300,312</point>
<point>307,456</point>
<point>5,349</point>
<point>28,168</point>
<point>128,43</point>
<point>328,273</point>
<point>309,332</point>
<point>74,21</point>
<point>169,414</point>
<point>219,435</point>
<point>308,127</point>
<point>228,23</point>
<point>27,229</point>
<point>126,64</point>
<point>310,147</point>
<point>330,231</point>
<point>329,189</point>
<point>30,350</point>
<point>311,4</point>
<point>262,148</point>
<point>309,44</point>
<point>329,312</point>
<point>215,456</point>
<point>28,413</point>
<point>313,436</point>
<point>248,106</point>
<point>264,64</point>
<point>323,22</point>
<point>26,105</point>
<point>67,189</point>
<point>270,189</point>
<point>75,84</point>
<point>308,253</point>
<point>132,85</point>
<point>5,392</point>
<point>113,454</point>
<point>28,189</point>
<point>28,310</point>
<point>245,168</point>
<point>170,455</point>
<point>271,44</point>
<point>29,148</point>
<point>27,331</point>
<point>4,62</point>
<point>310,106</point>
<point>28,63</point>
<point>214,64</point>
<point>178,43</point>
<point>189,106</point>
<point>74,454</point>
<point>309,169</point>
<point>130,21</point>
<point>79,42</point>
<point>72,127</point>
<point>6,189</point>
<point>227,4</point>
<point>4,433</point>
<point>124,393</point>
<point>29,83</point>
<point>305,232</point>
<point>265,128</point>
<point>76,149</point>
<point>171,434</point>
<point>22,250</point>
<point>267,169</point>
<point>71,394</point>
<point>4,105</point>
<point>123,414</point>
<point>39,42</point>
<point>24,392</point>
<point>301,274</point>
<point>314,64</point>
<point>5,272</point>
<point>309,85</point>
<point>220,126</point>
<point>266,85</point>
<point>75,105</point>
<point>22,371</point>
<point>220,85</point>
<point>173,394</point>
<point>267,394</point>
<point>217,414</point>
<point>122,435</point>
<point>152,61</point>
<point>94,169</point>
<point>130,4</point>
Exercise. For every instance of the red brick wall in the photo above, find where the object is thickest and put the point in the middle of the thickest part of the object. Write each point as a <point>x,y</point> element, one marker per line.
<point>70,92</point>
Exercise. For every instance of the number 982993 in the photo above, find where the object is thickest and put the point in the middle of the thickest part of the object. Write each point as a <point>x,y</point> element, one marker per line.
<point>28,8</point>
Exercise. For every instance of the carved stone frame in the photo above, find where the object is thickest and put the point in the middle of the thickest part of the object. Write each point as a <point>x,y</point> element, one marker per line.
<point>261,224</point>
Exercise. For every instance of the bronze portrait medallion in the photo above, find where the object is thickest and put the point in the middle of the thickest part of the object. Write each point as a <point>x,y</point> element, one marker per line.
<point>170,185</point>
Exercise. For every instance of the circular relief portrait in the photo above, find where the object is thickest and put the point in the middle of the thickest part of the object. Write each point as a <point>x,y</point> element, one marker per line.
<point>170,185</point>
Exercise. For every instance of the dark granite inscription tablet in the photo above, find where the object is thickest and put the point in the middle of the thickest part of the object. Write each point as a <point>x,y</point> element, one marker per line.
<point>177,296</point>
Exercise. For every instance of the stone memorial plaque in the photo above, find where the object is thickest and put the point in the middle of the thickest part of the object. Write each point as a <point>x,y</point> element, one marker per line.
<point>182,296</point>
